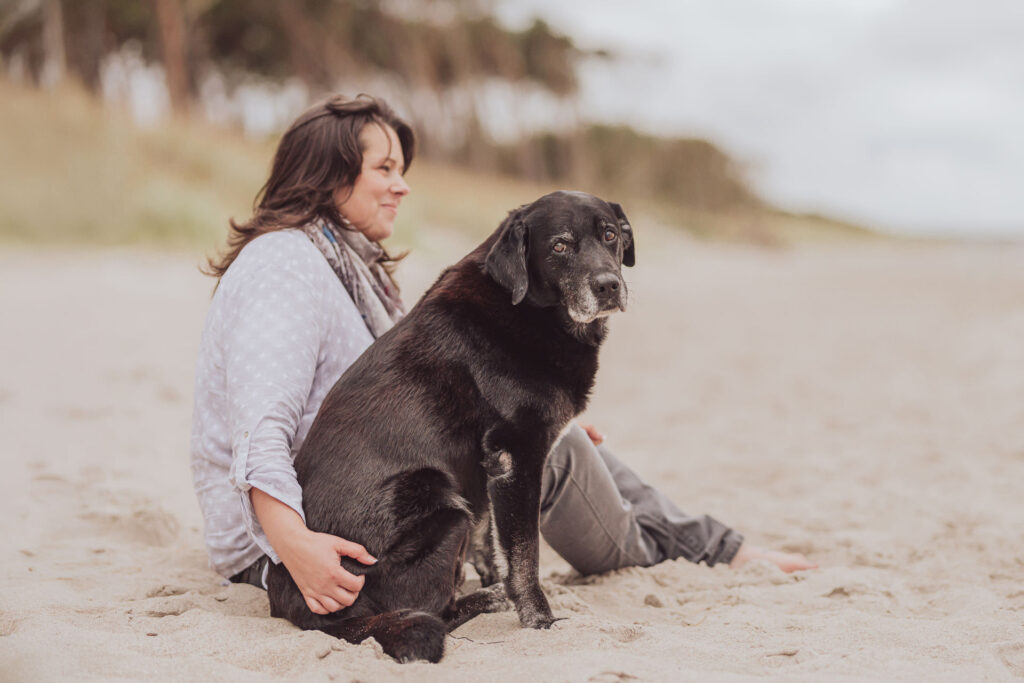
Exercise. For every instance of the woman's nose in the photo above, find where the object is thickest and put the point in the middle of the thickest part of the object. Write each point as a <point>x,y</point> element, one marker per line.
<point>400,187</point>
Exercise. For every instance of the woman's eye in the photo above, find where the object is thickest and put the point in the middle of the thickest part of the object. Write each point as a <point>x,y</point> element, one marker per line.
<point>609,235</point>
<point>558,247</point>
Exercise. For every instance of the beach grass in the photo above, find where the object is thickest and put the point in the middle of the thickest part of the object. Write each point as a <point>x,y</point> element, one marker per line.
<point>76,172</point>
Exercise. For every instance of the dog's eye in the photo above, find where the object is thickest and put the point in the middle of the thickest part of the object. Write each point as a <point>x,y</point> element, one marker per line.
<point>609,235</point>
<point>558,247</point>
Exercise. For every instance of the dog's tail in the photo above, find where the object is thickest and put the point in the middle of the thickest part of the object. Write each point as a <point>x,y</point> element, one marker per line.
<point>406,635</point>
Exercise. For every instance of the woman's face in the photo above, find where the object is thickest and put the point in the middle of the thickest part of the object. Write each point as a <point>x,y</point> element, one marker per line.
<point>371,204</point>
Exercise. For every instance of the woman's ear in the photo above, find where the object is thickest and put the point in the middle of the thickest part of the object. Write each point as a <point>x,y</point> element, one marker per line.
<point>629,253</point>
<point>506,261</point>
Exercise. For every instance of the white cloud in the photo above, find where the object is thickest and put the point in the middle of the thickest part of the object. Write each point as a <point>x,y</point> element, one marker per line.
<point>906,114</point>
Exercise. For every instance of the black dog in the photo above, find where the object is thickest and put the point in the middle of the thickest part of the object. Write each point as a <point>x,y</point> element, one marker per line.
<point>450,415</point>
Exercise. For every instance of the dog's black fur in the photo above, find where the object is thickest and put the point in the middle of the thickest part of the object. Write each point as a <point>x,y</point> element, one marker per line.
<point>451,414</point>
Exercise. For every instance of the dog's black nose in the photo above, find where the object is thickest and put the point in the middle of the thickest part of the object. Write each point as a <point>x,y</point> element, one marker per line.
<point>605,285</point>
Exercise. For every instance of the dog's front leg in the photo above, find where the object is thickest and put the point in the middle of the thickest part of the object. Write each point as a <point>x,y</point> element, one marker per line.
<point>514,489</point>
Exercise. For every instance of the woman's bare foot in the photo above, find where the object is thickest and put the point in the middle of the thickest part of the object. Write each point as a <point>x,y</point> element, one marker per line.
<point>787,562</point>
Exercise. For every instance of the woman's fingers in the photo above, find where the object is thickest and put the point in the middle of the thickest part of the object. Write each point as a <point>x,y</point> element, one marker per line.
<point>330,600</point>
<point>343,597</point>
<point>329,603</point>
<point>355,551</point>
<point>595,436</point>
<point>349,581</point>
<point>325,604</point>
<point>314,605</point>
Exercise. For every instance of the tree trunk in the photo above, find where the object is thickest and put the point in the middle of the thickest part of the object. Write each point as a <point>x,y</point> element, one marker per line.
<point>54,59</point>
<point>316,57</point>
<point>171,21</point>
<point>84,45</point>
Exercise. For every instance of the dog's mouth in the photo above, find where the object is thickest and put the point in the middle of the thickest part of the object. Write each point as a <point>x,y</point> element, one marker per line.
<point>621,308</point>
<point>585,317</point>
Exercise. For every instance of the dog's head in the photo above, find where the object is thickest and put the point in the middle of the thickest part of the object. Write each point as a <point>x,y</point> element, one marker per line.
<point>565,250</point>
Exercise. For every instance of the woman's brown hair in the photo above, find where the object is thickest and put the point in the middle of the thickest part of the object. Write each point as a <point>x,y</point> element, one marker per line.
<point>318,154</point>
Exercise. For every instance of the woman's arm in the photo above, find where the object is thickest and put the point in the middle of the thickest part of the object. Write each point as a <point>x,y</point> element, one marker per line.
<point>311,558</point>
<point>272,335</point>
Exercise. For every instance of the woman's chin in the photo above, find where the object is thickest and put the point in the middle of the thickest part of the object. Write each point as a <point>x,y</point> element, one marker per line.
<point>378,232</point>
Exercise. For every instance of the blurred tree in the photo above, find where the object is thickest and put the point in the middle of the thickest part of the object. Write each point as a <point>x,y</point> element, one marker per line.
<point>54,59</point>
<point>21,36</point>
<point>87,43</point>
<point>545,54</point>
<point>435,58</point>
<point>171,19</point>
<point>76,34</point>
<point>681,171</point>
<point>319,41</point>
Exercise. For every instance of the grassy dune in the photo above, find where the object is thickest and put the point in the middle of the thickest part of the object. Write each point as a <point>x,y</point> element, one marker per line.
<point>75,172</point>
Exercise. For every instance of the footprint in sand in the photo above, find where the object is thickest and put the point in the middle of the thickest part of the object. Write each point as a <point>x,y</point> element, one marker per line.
<point>166,591</point>
<point>8,625</point>
<point>46,484</point>
<point>142,522</point>
<point>172,605</point>
<point>1015,601</point>
<point>1012,656</point>
<point>624,633</point>
<point>115,513</point>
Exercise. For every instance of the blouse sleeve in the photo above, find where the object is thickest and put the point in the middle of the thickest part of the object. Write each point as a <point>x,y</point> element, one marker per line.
<point>272,338</point>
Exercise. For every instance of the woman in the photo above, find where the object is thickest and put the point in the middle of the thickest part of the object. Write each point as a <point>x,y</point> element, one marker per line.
<point>304,287</point>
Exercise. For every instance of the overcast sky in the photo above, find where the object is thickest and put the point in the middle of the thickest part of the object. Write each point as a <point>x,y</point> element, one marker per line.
<point>904,114</point>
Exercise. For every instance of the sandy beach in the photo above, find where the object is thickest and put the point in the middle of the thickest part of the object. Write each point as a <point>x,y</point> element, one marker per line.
<point>863,405</point>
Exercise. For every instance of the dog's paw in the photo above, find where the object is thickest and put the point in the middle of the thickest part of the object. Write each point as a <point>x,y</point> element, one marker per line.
<point>537,620</point>
<point>497,600</point>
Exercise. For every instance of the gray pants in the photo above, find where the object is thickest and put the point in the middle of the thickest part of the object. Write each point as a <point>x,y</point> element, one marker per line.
<point>598,515</point>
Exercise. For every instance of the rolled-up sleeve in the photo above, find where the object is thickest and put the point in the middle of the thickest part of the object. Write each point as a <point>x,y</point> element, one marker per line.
<point>272,340</point>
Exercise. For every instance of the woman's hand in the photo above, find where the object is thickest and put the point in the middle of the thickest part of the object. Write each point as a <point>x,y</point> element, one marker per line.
<point>595,436</point>
<point>313,559</point>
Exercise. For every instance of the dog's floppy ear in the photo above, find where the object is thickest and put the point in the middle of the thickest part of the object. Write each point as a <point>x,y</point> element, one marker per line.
<point>506,261</point>
<point>629,255</point>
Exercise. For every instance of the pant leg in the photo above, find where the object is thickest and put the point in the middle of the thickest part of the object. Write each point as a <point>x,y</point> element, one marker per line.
<point>598,515</point>
<point>699,538</point>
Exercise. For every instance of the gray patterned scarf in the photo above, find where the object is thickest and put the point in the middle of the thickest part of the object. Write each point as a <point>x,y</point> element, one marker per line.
<point>358,264</point>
